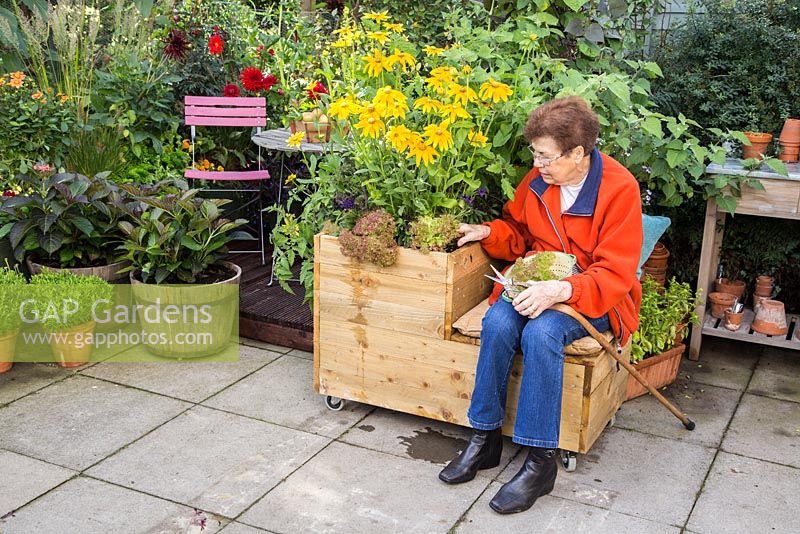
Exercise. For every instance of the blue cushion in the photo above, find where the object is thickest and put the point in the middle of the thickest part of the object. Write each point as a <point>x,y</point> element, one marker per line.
<point>653,227</point>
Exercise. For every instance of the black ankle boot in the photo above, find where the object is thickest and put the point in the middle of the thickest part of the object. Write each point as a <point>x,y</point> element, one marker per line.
<point>536,478</point>
<point>482,452</point>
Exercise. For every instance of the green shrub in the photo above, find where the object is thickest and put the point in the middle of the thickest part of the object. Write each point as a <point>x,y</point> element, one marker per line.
<point>736,66</point>
<point>661,312</point>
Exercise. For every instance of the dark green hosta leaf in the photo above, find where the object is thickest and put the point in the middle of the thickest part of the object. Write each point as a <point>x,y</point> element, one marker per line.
<point>18,231</point>
<point>84,225</point>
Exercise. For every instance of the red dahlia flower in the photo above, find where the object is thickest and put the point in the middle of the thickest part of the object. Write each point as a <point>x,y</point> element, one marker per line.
<point>269,81</point>
<point>318,89</point>
<point>176,44</point>
<point>231,90</point>
<point>252,79</point>
<point>215,45</point>
<point>9,194</point>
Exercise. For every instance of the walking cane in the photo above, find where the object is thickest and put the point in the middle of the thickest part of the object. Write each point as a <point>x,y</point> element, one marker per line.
<point>563,308</point>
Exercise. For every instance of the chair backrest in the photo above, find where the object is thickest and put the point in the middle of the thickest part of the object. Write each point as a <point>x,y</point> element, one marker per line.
<point>225,111</point>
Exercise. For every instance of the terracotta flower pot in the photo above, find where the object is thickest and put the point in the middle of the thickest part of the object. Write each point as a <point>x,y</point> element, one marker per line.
<point>757,300</point>
<point>771,318</point>
<point>759,142</point>
<point>658,258</point>
<point>659,370</point>
<point>791,132</point>
<point>733,320</point>
<point>8,344</point>
<point>790,152</point>
<point>70,347</point>
<point>734,287</point>
<point>719,303</point>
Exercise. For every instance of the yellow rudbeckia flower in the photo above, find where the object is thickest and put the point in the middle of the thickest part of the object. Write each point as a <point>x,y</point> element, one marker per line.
<point>433,50</point>
<point>393,27</point>
<point>476,138</point>
<point>343,108</point>
<point>381,37</point>
<point>453,111</point>
<point>462,94</point>
<point>370,126</point>
<point>422,153</point>
<point>376,63</point>
<point>295,139</point>
<point>379,16</point>
<point>399,137</point>
<point>495,91</point>
<point>427,104</point>
<point>370,111</point>
<point>387,96</point>
<point>404,58</point>
<point>438,136</point>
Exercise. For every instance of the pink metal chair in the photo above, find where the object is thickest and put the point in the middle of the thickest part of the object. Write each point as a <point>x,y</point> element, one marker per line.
<point>233,112</point>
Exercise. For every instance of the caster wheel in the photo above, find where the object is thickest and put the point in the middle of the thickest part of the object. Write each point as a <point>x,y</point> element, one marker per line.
<point>334,403</point>
<point>612,421</point>
<point>569,460</point>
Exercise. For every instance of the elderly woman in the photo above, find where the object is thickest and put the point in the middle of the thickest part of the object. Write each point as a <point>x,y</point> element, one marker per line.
<point>574,200</point>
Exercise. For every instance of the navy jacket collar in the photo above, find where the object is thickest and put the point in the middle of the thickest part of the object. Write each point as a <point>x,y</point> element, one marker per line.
<point>587,199</point>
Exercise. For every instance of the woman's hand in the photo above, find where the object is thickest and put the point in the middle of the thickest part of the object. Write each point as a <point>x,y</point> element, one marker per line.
<point>541,295</point>
<point>472,232</point>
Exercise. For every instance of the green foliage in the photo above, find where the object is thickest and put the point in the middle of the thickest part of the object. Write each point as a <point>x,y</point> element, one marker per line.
<point>151,167</point>
<point>661,313</point>
<point>736,66</point>
<point>136,97</point>
<point>434,233</point>
<point>35,125</point>
<point>12,284</point>
<point>177,237</point>
<point>51,290</point>
<point>535,268</point>
<point>95,150</point>
<point>68,220</point>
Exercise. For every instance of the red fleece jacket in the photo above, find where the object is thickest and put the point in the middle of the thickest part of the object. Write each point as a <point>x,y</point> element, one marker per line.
<point>603,229</point>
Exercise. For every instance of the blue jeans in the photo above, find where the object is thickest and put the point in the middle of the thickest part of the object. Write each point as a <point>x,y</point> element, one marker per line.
<point>542,341</point>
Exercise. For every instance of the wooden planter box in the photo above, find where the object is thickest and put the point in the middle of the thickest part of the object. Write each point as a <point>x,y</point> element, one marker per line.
<point>659,370</point>
<point>383,336</point>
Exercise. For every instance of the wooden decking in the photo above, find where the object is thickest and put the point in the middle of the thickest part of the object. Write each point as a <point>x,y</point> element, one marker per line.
<point>268,313</point>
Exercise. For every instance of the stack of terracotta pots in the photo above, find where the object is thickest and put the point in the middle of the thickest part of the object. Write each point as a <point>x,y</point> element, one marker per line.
<point>765,286</point>
<point>790,141</point>
<point>720,302</point>
<point>656,265</point>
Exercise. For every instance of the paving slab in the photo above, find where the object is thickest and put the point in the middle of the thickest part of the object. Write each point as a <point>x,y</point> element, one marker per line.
<point>635,474</point>
<point>744,495</point>
<point>80,420</point>
<point>723,362</point>
<point>239,528</point>
<point>776,375</point>
<point>263,345</point>
<point>767,429</point>
<point>301,354</point>
<point>710,407</point>
<point>24,479</point>
<point>350,489</point>
<point>418,438</point>
<point>24,378</point>
<point>553,515</point>
<point>192,380</point>
<point>283,393</point>
<point>86,506</point>
<point>211,460</point>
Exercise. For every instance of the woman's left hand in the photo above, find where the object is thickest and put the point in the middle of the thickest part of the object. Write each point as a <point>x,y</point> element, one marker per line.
<point>541,295</point>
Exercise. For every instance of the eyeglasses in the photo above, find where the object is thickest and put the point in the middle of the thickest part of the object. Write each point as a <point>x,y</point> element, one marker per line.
<point>543,161</point>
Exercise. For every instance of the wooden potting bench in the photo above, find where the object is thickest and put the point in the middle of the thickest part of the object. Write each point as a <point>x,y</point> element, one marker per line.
<point>779,199</point>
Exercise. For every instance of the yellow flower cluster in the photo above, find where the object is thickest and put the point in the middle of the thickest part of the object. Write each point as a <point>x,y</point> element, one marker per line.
<point>295,139</point>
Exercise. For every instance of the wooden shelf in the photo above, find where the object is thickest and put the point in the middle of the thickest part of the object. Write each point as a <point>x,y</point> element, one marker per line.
<point>716,327</point>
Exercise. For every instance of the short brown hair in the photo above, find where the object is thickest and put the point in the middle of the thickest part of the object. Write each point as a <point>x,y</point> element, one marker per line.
<point>570,121</point>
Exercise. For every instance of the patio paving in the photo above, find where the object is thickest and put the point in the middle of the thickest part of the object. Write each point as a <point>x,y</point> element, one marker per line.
<point>248,447</point>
